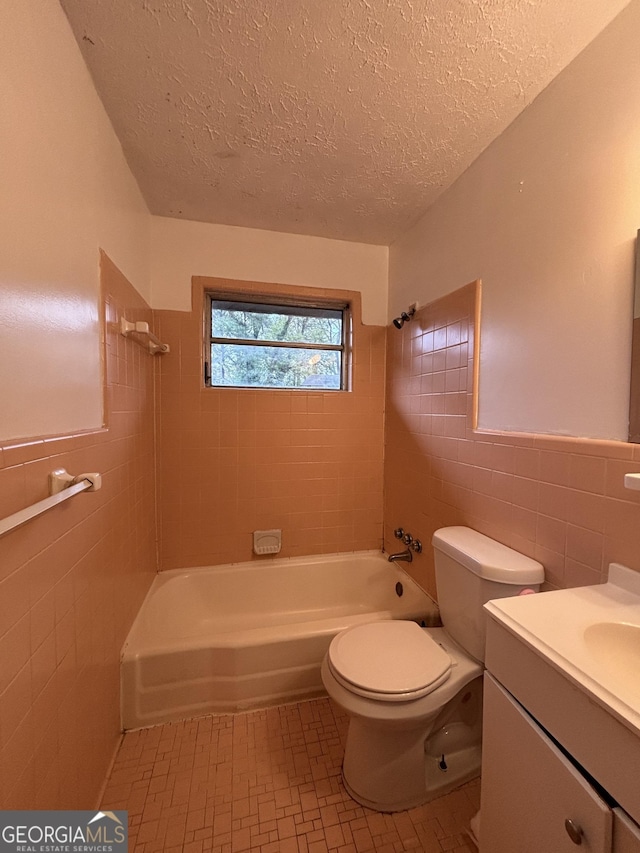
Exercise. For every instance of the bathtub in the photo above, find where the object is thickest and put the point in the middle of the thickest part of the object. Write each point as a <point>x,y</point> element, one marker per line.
<point>246,635</point>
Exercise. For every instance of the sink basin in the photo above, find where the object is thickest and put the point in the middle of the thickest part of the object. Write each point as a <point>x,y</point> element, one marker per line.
<point>592,634</point>
<point>617,646</point>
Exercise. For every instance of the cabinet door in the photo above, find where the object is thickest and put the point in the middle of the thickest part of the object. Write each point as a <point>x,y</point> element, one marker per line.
<point>530,789</point>
<point>626,833</point>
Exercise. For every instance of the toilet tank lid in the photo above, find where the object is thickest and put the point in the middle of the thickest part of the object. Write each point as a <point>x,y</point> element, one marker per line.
<point>487,558</point>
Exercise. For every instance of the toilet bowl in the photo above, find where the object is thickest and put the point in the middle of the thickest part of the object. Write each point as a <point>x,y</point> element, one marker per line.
<point>414,695</point>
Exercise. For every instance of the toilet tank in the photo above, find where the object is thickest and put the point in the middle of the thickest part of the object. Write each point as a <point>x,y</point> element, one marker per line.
<point>472,569</point>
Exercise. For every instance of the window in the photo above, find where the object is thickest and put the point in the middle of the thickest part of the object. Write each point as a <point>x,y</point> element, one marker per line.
<point>275,345</point>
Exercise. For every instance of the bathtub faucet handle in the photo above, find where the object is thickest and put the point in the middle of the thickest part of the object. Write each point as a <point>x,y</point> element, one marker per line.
<point>398,533</point>
<point>416,546</point>
<point>407,539</point>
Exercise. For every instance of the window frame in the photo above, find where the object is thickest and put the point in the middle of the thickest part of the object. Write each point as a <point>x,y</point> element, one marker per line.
<point>276,301</point>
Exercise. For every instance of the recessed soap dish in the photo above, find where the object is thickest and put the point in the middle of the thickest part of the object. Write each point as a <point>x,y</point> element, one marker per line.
<point>267,541</point>
<point>632,481</point>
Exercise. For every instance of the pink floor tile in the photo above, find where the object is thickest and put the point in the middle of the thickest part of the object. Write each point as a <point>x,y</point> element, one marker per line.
<point>266,781</point>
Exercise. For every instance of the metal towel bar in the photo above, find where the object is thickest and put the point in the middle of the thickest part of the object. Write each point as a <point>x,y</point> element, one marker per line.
<point>63,486</point>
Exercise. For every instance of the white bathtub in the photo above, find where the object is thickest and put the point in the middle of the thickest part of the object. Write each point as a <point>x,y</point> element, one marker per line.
<point>245,635</point>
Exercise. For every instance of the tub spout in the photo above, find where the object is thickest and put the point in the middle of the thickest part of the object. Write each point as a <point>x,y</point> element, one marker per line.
<point>403,557</point>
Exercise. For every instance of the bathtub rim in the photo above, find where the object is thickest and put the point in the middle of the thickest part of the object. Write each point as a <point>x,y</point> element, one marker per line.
<point>288,680</point>
<point>268,561</point>
<point>258,635</point>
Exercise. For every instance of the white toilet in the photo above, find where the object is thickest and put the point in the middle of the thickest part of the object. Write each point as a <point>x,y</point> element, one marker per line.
<point>414,695</point>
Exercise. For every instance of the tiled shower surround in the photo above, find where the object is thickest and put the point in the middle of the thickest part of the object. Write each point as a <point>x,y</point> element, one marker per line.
<point>236,460</point>
<point>232,461</point>
<point>559,500</point>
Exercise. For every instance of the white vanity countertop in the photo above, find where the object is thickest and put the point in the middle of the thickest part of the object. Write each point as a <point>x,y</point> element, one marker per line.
<point>591,634</point>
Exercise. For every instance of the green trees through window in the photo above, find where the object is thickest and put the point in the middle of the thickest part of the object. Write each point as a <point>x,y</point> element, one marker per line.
<point>260,345</point>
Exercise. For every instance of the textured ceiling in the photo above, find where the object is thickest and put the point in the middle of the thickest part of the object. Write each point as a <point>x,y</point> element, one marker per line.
<point>337,118</point>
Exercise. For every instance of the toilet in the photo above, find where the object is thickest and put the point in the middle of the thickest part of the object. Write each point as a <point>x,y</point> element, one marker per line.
<point>414,694</point>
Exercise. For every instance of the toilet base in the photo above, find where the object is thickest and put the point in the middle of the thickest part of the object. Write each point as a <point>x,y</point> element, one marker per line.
<point>453,755</point>
<point>391,769</point>
<point>438,791</point>
<point>463,765</point>
<point>393,749</point>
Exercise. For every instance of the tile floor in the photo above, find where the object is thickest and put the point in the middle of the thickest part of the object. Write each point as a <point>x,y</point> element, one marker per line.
<point>266,781</point>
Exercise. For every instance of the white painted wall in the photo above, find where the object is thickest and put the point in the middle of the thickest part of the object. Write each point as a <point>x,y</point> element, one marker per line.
<point>66,191</point>
<point>181,249</point>
<point>547,218</point>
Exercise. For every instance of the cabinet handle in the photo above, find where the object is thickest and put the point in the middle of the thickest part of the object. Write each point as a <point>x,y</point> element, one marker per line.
<point>574,831</point>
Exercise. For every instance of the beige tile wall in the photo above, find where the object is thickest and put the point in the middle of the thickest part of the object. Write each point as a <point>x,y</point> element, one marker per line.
<point>233,461</point>
<point>71,582</point>
<point>559,500</point>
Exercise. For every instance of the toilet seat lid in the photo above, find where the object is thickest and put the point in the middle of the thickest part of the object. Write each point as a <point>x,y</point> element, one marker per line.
<point>392,659</point>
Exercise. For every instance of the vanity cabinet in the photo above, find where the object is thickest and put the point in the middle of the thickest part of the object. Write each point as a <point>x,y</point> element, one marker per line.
<point>545,743</point>
<point>533,798</point>
<point>626,833</point>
